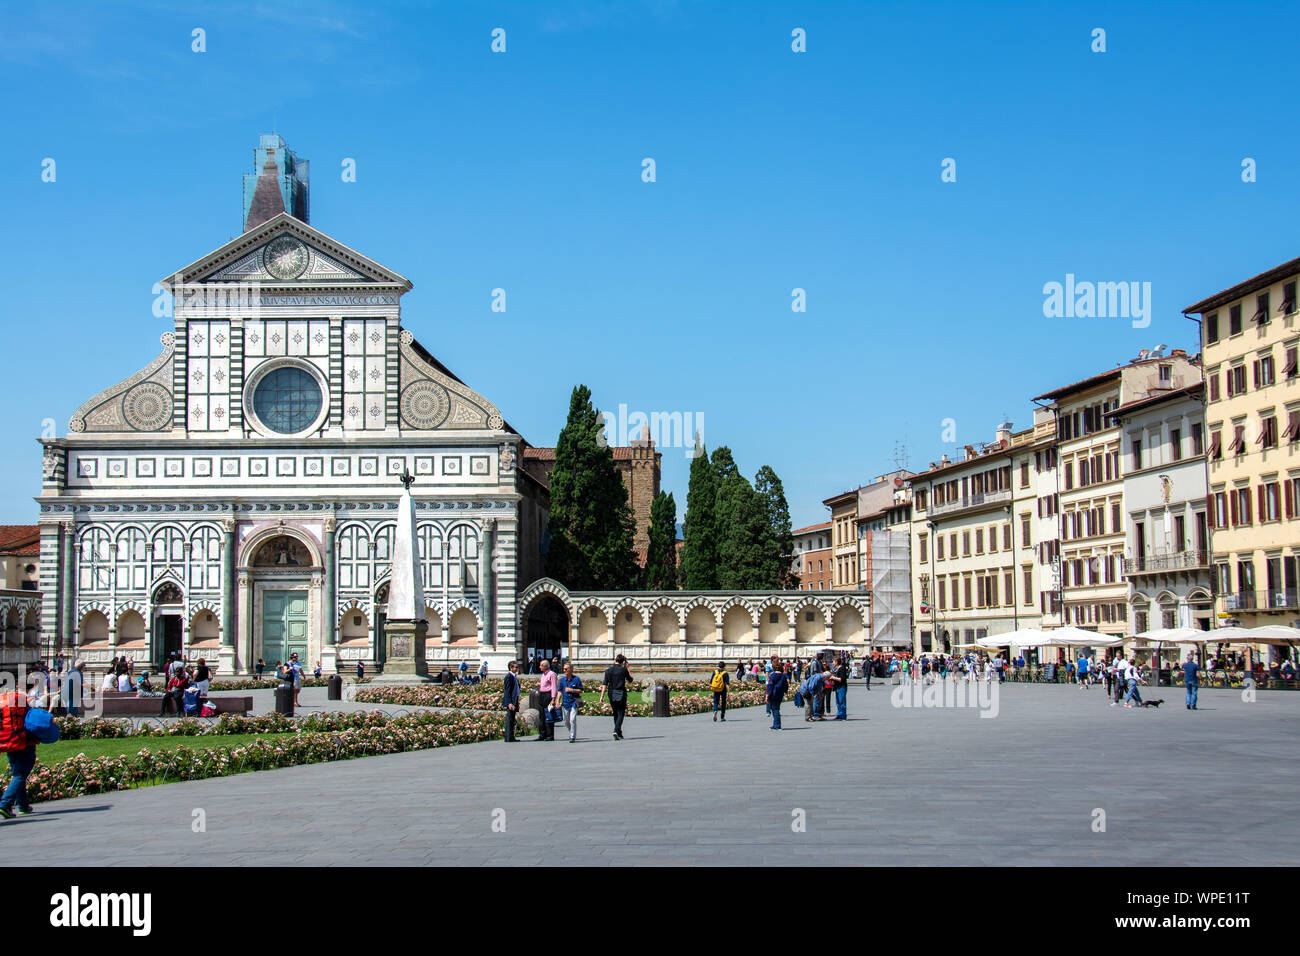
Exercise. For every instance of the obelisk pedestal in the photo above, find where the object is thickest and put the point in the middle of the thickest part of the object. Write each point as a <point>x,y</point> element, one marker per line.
<point>408,623</point>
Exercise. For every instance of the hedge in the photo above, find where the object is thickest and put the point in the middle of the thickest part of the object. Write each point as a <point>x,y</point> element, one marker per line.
<point>363,735</point>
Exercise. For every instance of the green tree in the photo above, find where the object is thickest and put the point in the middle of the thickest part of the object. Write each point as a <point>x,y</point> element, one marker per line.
<point>745,540</point>
<point>724,464</point>
<point>699,569</point>
<point>781,560</point>
<point>591,526</point>
<point>661,555</point>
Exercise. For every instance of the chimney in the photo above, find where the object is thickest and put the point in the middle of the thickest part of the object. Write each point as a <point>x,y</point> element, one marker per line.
<point>1003,433</point>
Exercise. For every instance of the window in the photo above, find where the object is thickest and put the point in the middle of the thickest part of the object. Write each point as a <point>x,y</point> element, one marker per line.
<point>1027,597</point>
<point>1176,444</point>
<point>1263,369</point>
<point>1024,473</point>
<point>1010,586</point>
<point>287,400</point>
<point>966,588</point>
<point>1292,433</point>
<point>1288,298</point>
<point>1261,308</point>
<point>1026,536</point>
<point>1268,431</point>
<point>920,499</point>
<point>942,591</point>
<point>923,544</point>
<point>1220,515</point>
<point>1069,475</point>
<point>965,544</point>
<point>1237,380</point>
<point>1289,369</point>
<point>1198,439</point>
<point>1270,505</point>
<point>979,540</point>
<point>1212,328</point>
<point>1234,320</point>
<point>1241,507</point>
<point>1238,446</point>
<point>1116,522</point>
<point>1216,445</point>
<point>1166,374</point>
<point>1214,386</point>
<point>1006,536</point>
<point>938,547</point>
<point>952,544</point>
<point>1137,453</point>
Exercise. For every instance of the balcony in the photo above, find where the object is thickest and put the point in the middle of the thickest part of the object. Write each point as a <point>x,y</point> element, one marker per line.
<point>985,499</point>
<point>1159,563</point>
<point>1279,600</point>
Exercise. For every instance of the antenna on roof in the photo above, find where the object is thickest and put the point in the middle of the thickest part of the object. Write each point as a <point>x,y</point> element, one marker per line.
<point>900,455</point>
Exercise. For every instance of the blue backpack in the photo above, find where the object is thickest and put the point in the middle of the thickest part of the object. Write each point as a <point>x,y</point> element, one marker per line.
<point>41,725</point>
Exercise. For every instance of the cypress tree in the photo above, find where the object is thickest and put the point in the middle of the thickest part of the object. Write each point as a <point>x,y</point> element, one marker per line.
<point>699,570</point>
<point>661,556</point>
<point>724,464</point>
<point>745,541</point>
<point>781,560</point>
<point>591,526</point>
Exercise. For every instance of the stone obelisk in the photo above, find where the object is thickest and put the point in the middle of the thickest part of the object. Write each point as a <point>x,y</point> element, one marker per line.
<point>407,623</point>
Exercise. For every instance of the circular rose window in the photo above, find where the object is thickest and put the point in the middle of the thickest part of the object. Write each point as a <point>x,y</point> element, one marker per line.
<point>287,400</point>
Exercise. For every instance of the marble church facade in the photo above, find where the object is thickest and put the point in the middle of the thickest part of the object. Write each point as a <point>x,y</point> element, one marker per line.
<point>236,498</point>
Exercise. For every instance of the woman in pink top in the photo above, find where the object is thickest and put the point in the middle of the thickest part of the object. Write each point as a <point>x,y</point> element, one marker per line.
<point>546,693</point>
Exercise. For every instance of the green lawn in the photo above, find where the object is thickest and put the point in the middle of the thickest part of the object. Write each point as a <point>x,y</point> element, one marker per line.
<point>50,754</point>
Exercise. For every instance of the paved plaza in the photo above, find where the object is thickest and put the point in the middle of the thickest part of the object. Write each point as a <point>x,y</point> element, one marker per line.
<point>900,786</point>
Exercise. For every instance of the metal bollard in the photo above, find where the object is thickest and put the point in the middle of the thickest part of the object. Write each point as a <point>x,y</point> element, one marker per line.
<point>661,708</point>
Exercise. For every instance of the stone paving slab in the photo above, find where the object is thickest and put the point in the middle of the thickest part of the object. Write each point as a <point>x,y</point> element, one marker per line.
<point>892,786</point>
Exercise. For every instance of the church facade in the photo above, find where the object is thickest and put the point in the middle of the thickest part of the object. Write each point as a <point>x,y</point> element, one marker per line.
<point>237,498</point>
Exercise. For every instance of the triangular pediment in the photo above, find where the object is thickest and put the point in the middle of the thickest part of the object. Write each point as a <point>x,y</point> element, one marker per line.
<point>285,252</point>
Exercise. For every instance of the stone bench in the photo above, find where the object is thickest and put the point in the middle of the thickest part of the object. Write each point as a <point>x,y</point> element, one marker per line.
<point>125,704</point>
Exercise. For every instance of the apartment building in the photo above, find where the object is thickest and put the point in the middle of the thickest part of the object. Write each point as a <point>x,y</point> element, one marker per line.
<point>973,559</point>
<point>876,500</point>
<point>1250,335</point>
<point>1167,562</point>
<point>1092,590</point>
<point>814,557</point>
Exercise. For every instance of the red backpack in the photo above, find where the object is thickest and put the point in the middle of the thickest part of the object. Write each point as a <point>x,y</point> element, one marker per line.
<point>13,717</point>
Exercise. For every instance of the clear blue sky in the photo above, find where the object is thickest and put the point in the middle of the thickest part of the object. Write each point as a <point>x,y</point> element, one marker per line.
<point>775,170</point>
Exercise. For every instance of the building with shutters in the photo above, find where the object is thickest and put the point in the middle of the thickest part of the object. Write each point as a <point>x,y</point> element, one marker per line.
<point>1250,336</point>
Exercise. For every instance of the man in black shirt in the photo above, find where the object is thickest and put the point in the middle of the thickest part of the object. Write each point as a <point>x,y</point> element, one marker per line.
<point>842,690</point>
<point>617,678</point>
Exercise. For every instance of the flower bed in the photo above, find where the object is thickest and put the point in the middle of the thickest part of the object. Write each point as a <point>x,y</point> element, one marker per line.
<point>318,738</point>
<point>640,702</point>
<point>270,683</point>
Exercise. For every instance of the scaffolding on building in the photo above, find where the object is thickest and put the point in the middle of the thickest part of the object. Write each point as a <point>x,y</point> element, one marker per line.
<point>889,569</point>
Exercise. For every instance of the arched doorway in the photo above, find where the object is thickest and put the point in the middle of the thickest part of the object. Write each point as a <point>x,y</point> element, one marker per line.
<point>168,622</point>
<point>546,628</point>
<point>285,575</point>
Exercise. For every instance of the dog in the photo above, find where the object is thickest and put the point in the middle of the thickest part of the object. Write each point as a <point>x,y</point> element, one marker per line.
<point>1153,703</point>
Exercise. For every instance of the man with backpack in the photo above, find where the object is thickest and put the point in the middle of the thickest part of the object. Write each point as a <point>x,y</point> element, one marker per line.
<point>777,683</point>
<point>718,684</point>
<point>20,747</point>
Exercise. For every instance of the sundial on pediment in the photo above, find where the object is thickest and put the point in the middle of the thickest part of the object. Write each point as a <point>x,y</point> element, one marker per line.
<point>287,258</point>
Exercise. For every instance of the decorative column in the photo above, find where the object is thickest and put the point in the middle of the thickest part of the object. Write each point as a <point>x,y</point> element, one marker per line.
<point>226,654</point>
<point>68,589</point>
<point>329,604</point>
<point>486,590</point>
<point>244,622</point>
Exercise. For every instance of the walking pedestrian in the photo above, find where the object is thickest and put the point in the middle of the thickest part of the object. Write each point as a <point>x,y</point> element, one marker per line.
<point>570,686</point>
<point>617,677</point>
<point>20,748</point>
<point>510,700</point>
<point>1082,671</point>
<point>777,683</point>
<point>718,685</point>
<point>868,665</point>
<point>1191,680</point>
<point>545,697</point>
<point>1132,676</point>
